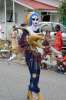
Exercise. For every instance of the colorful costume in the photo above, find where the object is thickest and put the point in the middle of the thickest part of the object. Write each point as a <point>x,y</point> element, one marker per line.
<point>32,56</point>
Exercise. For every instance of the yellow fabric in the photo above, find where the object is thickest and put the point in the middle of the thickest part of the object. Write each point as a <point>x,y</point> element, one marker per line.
<point>14,43</point>
<point>27,17</point>
<point>33,40</point>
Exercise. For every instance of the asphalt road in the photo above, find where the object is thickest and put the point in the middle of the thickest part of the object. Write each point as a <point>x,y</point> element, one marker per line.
<point>14,79</point>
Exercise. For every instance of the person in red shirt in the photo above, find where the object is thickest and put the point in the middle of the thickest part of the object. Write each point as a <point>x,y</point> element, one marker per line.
<point>58,41</point>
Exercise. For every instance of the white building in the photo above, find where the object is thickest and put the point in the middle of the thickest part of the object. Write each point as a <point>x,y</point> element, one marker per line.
<point>11,12</point>
<point>14,11</point>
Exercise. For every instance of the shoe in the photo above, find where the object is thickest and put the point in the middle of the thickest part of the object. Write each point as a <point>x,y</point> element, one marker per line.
<point>39,97</point>
<point>35,97</point>
<point>29,95</point>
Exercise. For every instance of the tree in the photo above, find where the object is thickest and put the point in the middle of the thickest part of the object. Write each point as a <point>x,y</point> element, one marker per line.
<point>62,11</point>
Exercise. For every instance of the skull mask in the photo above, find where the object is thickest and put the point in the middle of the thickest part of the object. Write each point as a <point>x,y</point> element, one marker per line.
<point>34,19</point>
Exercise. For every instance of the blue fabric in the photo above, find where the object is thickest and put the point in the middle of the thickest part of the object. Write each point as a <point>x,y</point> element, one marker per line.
<point>33,14</point>
<point>34,68</point>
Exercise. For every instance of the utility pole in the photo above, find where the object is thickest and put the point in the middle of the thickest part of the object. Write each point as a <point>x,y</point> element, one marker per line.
<point>14,11</point>
<point>5,18</point>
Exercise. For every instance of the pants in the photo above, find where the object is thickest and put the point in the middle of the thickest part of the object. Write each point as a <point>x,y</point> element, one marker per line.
<point>34,69</point>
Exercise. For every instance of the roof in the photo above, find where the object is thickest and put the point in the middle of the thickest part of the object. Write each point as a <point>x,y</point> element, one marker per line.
<point>54,3</point>
<point>32,4</point>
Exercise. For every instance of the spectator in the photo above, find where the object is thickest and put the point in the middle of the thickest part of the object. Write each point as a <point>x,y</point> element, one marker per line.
<point>46,51</point>
<point>58,41</point>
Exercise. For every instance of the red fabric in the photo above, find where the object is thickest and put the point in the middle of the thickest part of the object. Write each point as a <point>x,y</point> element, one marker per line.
<point>58,42</point>
<point>65,58</point>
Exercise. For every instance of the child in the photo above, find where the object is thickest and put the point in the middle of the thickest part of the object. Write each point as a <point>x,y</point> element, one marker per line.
<point>58,41</point>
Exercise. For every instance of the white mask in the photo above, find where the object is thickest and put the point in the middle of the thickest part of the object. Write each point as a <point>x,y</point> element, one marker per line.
<point>35,21</point>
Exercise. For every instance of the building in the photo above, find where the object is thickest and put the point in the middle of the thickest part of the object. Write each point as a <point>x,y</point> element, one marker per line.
<point>54,3</point>
<point>14,11</point>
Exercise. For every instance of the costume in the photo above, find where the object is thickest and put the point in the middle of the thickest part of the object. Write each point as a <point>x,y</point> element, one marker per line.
<point>15,35</point>
<point>32,56</point>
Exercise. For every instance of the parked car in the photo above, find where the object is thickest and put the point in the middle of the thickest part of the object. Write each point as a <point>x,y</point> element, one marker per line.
<point>51,26</point>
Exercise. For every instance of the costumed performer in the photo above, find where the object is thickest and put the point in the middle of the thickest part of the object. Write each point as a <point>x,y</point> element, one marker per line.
<point>28,41</point>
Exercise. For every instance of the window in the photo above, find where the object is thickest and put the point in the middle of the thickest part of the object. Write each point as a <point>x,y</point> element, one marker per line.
<point>9,16</point>
<point>45,16</point>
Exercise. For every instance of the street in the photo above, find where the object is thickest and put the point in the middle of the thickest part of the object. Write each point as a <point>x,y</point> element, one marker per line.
<point>14,79</point>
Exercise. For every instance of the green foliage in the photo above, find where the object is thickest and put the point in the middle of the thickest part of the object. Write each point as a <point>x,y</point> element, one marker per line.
<point>62,9</point>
